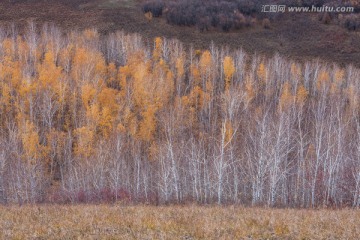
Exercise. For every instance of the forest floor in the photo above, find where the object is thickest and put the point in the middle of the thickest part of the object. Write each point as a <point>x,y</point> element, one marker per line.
<point>298,36</point>
<point>175,222</point>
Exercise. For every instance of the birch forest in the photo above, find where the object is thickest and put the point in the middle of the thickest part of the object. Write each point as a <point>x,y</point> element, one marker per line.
<point>90,118</point>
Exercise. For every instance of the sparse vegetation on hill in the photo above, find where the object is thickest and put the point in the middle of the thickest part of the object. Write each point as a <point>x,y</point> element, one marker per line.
<point>351,22</point>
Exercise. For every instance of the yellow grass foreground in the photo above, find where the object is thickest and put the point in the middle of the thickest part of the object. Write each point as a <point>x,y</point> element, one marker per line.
<point>175,222</point>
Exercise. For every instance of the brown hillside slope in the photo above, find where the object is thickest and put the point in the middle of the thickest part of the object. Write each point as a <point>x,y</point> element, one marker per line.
<point>296,35</point>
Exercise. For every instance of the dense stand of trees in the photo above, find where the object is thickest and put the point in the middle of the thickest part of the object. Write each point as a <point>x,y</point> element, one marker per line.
<point>229,15</point>
<point>221,14</point>
<point>86,118</point>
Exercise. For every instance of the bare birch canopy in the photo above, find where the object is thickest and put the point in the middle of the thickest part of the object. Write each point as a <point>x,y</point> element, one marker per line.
<point>88,118</point>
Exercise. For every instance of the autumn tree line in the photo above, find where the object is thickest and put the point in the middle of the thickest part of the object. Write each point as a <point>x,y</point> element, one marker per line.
<point>92,118</point>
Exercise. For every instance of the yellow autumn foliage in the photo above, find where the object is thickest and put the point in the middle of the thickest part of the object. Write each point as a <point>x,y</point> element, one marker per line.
<point>229,70</point>
<point>30,142</point>
<point>261,72</point>
<point>84,144</point>
<point>286,98</point>
<point>157,53</point>
<point>301,95</point>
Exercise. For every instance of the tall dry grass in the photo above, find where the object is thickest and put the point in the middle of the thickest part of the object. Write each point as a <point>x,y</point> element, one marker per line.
<point>175,222</point>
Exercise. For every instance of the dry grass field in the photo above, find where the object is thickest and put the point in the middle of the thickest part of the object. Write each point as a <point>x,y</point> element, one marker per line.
<point>175,222</point>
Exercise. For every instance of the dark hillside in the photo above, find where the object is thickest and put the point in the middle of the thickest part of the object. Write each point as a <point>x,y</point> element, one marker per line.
<point>301,36</point>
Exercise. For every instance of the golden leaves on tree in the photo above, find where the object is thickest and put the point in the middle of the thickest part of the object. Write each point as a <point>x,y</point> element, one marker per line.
<point>261,72</point>
<point>301,95</point>
<point>286,98</point>
<point>229,70</point>
<point>322,80</point>
<point>84,145</point>
<point>33,150</point>
<point>158,49</point>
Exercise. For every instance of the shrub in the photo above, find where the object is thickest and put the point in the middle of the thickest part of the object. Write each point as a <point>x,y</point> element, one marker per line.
<point>352,22</point>
<point>225,22</point>
<point>203,24</point>
<point>247,7</point>
<point>239,20</point>
<point>148,16</point>
<point>325,18</point>
<point>266,23</point>
<point>155,7</point>
<point>102,195</point>
<point>223,14</point>
<point>251,22</point>
<point>182,14</point>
